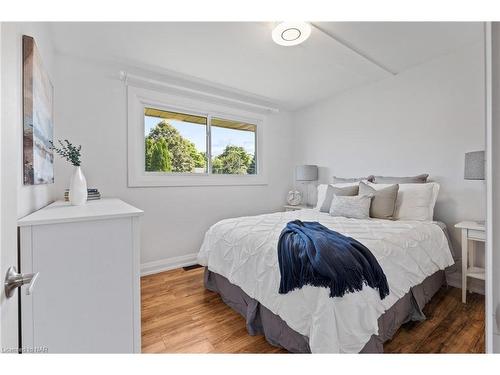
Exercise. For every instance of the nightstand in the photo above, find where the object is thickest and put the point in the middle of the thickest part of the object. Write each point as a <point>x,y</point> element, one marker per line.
<point>472,232</point>
<point>288,207</point>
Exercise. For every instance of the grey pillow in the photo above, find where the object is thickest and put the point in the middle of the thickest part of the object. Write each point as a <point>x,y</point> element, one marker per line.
<point>332,190</point>
<point>341,180</point>
<point>420,179</point>
<point>383,202</point>
<point>357,207</point>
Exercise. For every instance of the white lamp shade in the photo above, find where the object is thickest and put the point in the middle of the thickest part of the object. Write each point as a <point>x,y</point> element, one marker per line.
<point>306,172</point>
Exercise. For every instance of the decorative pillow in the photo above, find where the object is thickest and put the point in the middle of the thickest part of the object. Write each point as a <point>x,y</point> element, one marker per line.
<point>338,191</point>
<point>383,202</point>
<point>414,201</point>
<point>420,179</point>
<point>340,180</point>
<point>322,188</point>
<point>357,207</point>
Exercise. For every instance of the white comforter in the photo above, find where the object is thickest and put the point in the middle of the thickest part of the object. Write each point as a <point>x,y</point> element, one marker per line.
<point>244,250</point>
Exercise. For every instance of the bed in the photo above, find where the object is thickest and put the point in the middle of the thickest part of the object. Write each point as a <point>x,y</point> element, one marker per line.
<point>240,256</point>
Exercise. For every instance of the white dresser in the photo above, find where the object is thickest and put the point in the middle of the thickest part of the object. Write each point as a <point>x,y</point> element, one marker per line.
<point>86,298</point>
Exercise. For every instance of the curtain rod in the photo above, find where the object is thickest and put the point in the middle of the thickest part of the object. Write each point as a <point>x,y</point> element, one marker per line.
<point>126,77</point>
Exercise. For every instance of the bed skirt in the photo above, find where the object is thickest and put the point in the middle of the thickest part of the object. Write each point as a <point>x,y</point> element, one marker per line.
<point>260,320</point>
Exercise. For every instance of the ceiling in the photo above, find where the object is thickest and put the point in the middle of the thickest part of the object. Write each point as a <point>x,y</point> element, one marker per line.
<point>336,57</point>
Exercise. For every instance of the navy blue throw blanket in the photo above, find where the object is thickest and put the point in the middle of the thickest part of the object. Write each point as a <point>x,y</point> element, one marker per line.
<point>311,254</point>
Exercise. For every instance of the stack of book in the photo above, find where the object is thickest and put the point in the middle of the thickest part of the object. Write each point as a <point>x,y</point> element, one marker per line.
<point>92,195</point>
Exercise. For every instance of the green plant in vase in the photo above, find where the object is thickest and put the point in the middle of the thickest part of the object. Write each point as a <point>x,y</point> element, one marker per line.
<point>78,183</point>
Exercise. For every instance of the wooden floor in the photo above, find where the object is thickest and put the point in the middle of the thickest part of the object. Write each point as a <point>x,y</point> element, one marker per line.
<point>180,316</point>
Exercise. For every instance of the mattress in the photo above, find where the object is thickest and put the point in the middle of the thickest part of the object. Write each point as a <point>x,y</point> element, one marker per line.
<point>244,251</point>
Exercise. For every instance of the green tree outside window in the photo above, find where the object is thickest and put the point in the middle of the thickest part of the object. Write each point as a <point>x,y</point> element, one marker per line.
<point>167,151</point>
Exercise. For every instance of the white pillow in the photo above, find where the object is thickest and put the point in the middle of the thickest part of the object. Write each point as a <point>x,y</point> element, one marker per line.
<point>414,201</point>
<point>321,193</point>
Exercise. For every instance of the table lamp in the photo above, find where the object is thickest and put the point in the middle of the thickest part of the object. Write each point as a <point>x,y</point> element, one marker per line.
<point>306,173</point>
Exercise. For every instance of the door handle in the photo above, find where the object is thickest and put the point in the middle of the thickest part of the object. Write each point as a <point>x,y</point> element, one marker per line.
<point>14,280</point>
<point>32,282</point>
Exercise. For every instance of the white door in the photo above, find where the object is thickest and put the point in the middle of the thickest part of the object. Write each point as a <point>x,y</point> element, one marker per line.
<point>8,225</point>
<point>493,289</point>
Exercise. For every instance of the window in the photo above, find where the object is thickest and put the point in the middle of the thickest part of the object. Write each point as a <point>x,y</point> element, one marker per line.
<point>180,140</point>
<point>174,142</point>
<point>177,143</point>
<point>233,147</point>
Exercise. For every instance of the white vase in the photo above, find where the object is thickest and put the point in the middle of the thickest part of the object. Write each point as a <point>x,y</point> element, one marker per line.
<point>78,188</point>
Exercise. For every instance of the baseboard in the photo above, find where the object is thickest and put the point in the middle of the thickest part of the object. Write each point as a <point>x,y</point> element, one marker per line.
<point>168,264</point>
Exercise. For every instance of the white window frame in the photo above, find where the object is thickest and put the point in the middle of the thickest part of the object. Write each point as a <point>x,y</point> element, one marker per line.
<point>140,98</point>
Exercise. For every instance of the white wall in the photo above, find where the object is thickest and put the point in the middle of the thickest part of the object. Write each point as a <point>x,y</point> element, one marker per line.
<point>91,110</point>
<point>16,200</point>
<point>422,120</point>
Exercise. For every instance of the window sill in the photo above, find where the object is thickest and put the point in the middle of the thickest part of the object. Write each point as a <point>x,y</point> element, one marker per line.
<point>154,180</point>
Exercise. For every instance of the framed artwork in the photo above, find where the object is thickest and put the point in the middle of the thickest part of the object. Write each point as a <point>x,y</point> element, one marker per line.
<point>38,119</point>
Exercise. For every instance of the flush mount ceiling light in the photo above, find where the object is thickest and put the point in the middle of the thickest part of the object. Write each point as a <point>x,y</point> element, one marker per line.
<point>291,33</point>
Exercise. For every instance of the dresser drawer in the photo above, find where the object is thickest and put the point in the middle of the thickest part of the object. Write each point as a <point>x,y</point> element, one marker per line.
<point>475,234</point>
